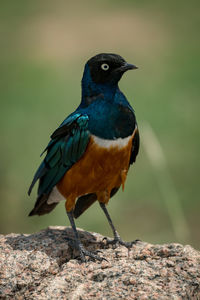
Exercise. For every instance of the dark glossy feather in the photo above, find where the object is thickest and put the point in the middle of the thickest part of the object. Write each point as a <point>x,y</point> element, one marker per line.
<point>67,125</point>
<point>84,202</point>
<point>41,207</point>
<point>135,147</point>
<point>66,147</point>
<point>40,172</point>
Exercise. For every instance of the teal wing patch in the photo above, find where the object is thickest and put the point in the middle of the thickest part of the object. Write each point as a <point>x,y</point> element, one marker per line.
<point>68,143</point>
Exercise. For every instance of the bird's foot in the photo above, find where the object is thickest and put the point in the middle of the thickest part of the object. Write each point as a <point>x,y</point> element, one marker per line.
<point>84,253</point>
<point>118,241</point>
<point>76,243</point>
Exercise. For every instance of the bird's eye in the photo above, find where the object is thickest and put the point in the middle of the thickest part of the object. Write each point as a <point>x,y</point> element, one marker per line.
<point>105,67</point>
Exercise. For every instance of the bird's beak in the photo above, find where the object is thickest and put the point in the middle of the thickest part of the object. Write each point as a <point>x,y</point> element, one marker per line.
<point>127,67</point>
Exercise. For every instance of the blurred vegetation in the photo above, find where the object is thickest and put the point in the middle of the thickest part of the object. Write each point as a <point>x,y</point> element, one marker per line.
<point>44,45</point>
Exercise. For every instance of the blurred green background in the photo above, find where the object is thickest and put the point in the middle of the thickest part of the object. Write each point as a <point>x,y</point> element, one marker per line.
<point>43,48</point>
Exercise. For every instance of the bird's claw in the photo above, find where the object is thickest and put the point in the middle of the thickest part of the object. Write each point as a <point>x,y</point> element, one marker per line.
<point>83,253</point>
<point>118,241</point>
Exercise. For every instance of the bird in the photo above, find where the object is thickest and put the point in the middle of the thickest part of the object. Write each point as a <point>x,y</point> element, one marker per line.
<point>88,156</point>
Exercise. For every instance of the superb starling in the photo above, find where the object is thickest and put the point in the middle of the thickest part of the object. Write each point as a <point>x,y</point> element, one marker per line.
<point>89,154</point>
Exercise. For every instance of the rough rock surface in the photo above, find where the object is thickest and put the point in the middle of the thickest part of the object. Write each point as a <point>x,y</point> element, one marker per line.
<point>44,266</point>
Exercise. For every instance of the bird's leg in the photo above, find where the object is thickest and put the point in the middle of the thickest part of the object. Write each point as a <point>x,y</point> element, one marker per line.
<point>117,239</point>
<point>83,252</point>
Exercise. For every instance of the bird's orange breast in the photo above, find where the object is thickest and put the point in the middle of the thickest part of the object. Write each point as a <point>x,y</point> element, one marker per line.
<point>98,171</point>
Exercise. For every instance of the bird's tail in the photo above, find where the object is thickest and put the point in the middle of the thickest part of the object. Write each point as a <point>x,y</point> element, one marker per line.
<point>41,206</point>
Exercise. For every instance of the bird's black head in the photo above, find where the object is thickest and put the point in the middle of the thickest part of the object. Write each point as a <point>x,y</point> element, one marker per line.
<point>108,68</point>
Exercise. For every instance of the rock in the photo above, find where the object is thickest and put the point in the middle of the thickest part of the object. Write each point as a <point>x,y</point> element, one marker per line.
<point>44,266</point>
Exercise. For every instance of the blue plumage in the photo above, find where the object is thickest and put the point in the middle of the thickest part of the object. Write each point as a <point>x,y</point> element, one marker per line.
<point>110,120</point>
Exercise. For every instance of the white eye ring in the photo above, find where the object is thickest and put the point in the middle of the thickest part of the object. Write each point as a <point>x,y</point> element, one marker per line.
<point>105,67</point>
